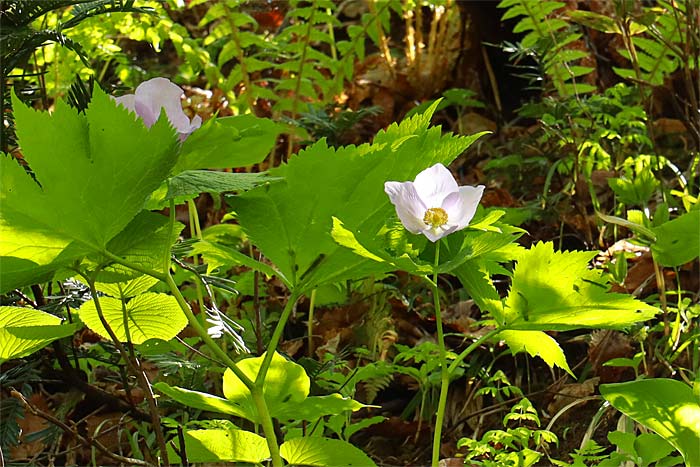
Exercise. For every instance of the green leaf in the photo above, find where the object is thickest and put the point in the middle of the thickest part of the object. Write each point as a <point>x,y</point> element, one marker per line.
<point>476,280</point>
<point>678,241</point>
<point>129,288</point>
<point>323,452</point>
<point>190,183</point>
<point>202,400</point>
<point>344,237</point>
<point>23,331</point>
<point>225,445</point>
<point>227,142</point>
<point>537,344</point>
<point>652,448</point>
<point>315,407</point>
<point>217,255</point>
<point>557,291</point>
<point>149,316</point>
<point>666,406</point>
<point>93,174</point>
<point>646,233</point>
<point>348,183</point>
<point>595,21</point>
<point>31,257</point>
<point>145,242</point>
<point>194,182</point>
<point>286,383</point>
<point>347,239</point>
<point>468,245</point>
<point>486,222</point>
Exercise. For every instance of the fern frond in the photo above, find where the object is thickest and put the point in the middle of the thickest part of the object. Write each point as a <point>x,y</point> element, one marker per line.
<point>87,9</point>
<point>551,37</point>
<point>80,93</point>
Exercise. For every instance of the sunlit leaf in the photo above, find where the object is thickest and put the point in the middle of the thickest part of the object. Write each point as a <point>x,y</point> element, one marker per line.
<point>147,316</point>
<point>678,240</point>
<point>286,383</point>
<point>348,183</point>
<point>202,400</point>
<point>314,407</point>
<point>666,406</point>
<point>93,173</point>
<point>537,344</point>
<point>218,445</point>
<point>25,330</point>
<point>228,142</point>
<point>558,291</point>
<point>323,452</point>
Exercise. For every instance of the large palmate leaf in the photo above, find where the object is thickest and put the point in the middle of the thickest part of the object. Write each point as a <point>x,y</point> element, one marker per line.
<point>323,452</point>
<point>26,330</point>
<point>145,243</point>
<point>667,406</point>
<point>92,175</point>
<point>146,316</point>
<point>291,221</point>
<point>557,291</point>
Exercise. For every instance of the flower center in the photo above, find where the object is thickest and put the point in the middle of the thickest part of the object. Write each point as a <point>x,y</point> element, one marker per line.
<point>435,217</point>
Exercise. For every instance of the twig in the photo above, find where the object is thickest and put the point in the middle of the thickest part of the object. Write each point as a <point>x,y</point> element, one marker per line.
<point>85,441</point>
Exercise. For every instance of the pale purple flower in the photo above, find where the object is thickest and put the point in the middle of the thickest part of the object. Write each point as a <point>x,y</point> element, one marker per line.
<point>159,93</point>
<point>434,205</point>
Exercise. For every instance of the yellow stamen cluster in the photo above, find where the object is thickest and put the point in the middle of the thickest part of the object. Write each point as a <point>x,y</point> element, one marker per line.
<point>435,217</point>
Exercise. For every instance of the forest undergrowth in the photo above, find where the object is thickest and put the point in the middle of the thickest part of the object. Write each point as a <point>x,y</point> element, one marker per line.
<point>367,233</point>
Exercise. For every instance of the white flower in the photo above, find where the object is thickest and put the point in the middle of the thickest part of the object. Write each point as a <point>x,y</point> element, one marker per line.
<point>434,204</point>
<point>159,93</point>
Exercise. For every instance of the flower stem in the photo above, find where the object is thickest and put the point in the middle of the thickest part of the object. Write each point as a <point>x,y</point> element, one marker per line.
<point>444,371</point>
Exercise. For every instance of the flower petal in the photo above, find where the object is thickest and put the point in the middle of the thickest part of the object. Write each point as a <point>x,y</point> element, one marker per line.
<point>461,205</point>
<point>409,206</point>
<point>436,234</point>
<point>156,94</point>
<point>434,184</point>
<point>196,123</point>
<point>128,101</point>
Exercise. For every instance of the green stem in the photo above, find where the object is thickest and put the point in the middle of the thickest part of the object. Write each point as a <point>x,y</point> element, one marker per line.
<point>267,425</point>
<point>275,339</point>
<point>310,324</point>
<point>254,388</point>
<point>204,335</point>
<point>195,232</point>
<point>444,372</point>
<point>256,392</point>
<point>661,286</point>
<point>460,358</point>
